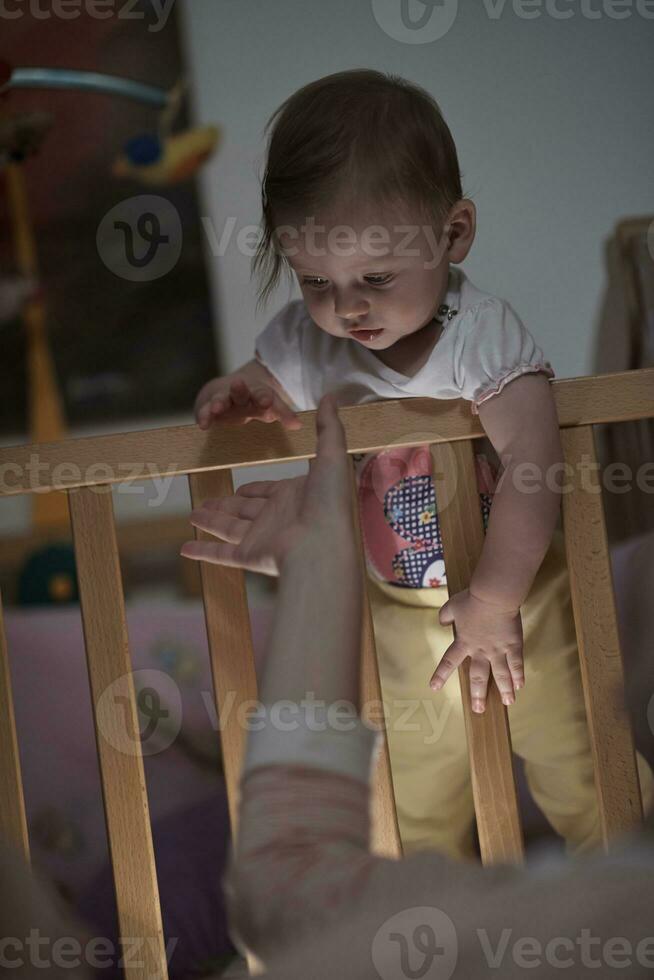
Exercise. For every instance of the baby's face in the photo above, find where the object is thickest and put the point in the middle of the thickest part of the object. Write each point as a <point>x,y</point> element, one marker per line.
<point>371,281</point>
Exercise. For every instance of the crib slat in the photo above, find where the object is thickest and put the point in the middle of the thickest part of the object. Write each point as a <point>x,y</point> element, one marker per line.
<point>602,672</point>
<point>489,738</point>
<point>385,833</point>
<point>117,732</point>
<point>229,638</point>
<point>13,822</point>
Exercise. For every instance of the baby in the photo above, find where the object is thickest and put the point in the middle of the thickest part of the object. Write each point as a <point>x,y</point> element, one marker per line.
<point>363,204</point>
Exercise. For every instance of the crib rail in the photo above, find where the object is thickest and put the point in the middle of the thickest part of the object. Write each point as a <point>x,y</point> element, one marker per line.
<point>86,468</point>
<point>13,821</point>
<point>117,725</point>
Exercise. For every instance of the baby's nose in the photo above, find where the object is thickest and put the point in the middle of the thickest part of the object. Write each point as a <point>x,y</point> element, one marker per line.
<point>348,306</point>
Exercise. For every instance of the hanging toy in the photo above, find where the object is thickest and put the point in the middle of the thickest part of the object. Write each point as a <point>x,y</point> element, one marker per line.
<point>163,158</point>
<point>177,158</point>
<point>156,159</point>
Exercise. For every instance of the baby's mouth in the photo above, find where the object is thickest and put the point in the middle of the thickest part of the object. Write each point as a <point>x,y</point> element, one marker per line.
<point>365,333</point>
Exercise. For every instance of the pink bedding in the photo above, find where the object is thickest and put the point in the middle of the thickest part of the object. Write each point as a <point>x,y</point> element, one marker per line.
<point>55,726</point>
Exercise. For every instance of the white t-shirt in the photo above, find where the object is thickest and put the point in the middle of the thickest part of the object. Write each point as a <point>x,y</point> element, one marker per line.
<point>483,345</point>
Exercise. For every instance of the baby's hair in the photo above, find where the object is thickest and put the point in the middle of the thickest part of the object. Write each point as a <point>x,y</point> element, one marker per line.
<point>358,137</point>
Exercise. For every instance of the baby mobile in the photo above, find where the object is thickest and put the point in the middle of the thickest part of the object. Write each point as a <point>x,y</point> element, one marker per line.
<point>159,158</point>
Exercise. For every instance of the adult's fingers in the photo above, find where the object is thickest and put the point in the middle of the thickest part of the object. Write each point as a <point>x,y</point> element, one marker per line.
<point>220,524</point>
<point>329,481</point>
<point>215,553</point>
<point>329,429</point>
<point>218,553</point>
<point>331,447</point>
<point>247,508</point>
<point>257,488</point>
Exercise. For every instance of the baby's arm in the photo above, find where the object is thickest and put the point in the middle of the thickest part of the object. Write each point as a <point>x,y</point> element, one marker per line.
<point>522,424</point>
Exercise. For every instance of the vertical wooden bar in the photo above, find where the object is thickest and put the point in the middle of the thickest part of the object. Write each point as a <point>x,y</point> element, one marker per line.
<point>385,833</point>
<point>230,641</point>
<point>117,732</point>
<point>593,603</point>
<point>489,737</point>
<point>13,822</point>
<point>231,652</point>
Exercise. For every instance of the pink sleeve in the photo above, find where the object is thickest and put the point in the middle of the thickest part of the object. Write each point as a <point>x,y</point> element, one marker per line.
<point>302,855</point>
<point>302,851</point>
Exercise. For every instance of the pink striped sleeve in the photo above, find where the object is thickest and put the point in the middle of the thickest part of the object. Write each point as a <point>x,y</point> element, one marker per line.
<point>302,852</point>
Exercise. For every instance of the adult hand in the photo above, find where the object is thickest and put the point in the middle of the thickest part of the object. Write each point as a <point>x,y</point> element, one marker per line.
<point>264,521</point>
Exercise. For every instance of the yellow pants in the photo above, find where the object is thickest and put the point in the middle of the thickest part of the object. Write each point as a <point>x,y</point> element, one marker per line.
<point>425,729</point>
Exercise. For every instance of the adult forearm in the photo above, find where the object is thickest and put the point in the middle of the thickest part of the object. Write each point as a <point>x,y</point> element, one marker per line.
<point>316,638</point>
<point>522,520</point>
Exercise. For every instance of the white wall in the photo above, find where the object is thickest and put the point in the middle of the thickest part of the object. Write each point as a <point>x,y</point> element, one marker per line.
<point>552,120</point>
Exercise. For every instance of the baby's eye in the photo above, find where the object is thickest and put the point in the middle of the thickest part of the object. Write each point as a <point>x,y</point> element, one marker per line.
<point>378,280</point>
<point>317,282</point>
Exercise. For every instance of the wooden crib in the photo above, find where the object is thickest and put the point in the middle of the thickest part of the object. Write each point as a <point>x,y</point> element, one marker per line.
<point>86,468</point>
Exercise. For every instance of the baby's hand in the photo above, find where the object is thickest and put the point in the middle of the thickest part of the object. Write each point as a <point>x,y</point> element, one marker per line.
<point>236,400</point>
<point>492,638</point>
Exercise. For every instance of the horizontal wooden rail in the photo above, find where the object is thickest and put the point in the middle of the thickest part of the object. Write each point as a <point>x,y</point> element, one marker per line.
<point>97,460</point>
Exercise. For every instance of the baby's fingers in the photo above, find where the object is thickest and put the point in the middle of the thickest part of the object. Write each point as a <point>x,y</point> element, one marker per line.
<point>479,674</point>
<point>204,415</point>
<point>212,409</point>
<point>516,668</point>
<point>451,659</point>
<point>504,680</point>
<point>239,392</point>
<point>279,410</point>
